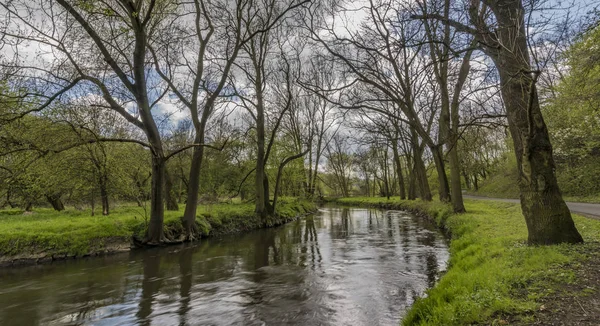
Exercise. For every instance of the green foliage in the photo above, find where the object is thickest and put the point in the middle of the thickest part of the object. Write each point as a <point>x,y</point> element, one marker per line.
<point>573,118</point>
<point>492,273</point>
<point>74,233</point>
<point>502,183</point>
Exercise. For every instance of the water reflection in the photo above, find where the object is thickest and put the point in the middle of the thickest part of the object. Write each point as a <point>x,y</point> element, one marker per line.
<point>341,267</point>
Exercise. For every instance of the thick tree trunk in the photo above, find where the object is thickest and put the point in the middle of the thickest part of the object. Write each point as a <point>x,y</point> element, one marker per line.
<point>155,233</point>
<point>547,216</point>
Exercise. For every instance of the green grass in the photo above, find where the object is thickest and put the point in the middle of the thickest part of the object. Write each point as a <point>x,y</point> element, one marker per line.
<point>503,184</point>
<point>75,233</point>
<point>493,275</point>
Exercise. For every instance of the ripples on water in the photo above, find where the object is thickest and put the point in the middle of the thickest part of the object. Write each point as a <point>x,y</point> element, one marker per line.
<point>340,267</point>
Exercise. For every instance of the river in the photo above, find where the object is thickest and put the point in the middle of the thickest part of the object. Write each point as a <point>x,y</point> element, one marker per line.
<point>343,266</point>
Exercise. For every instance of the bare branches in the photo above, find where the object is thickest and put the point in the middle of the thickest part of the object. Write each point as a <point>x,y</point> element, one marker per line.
<point>184,148</point>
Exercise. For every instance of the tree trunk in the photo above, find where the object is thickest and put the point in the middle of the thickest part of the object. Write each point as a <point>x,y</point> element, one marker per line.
<point>263,207</point>
<point>104,199</point>
<point>386,175</point>
<point>155,233</point>
<point>455,186</point>
<point>193,186</point>
<point>399,170</point>
<point>171,197</point>
<point>454,162</point>
<point>421,178</point>
<point>279,174</point>
<point>547,216</point>
<point>419,168</point>
<point>56,203</point>
<point>317,159</point>
<point>438,158</point>
<point>467,179</point>
<point>93,203</point>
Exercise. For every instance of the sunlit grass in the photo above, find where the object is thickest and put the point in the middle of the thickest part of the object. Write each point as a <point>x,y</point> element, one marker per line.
<point>492,273</point>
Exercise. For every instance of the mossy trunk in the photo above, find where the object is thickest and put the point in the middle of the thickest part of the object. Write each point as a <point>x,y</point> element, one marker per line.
<point>547,216</point>
<point>155,233</point>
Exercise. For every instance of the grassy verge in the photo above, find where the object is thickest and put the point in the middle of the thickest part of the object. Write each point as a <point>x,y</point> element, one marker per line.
<point>493,277</point>
<point>46,234</point>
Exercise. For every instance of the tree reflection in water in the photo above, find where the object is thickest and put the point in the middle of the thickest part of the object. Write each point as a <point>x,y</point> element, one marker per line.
<point>343,266</point>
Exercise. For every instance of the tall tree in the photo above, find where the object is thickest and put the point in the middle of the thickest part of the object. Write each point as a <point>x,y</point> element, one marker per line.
<point>499,28</point>
<point>97,50</point>
<point>441,41</point>
<point>382,61</point>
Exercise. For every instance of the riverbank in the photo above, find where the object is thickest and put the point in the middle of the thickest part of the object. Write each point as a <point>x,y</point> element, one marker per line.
<point>494,278</point>
<point>45,235</point>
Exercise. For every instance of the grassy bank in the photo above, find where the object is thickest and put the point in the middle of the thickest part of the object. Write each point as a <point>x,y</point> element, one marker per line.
<point>503,184</point>
<point>493,277</point>
<point>46,234</point>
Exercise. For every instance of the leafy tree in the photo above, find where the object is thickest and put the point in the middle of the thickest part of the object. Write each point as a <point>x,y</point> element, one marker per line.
<point>573,117</point>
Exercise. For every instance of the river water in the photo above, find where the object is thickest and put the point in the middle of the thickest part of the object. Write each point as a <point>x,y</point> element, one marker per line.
<point>340,267</point>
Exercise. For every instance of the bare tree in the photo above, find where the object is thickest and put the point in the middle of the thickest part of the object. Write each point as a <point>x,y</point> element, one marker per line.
<point>340,164</point>
<point>383,62</point>
<point>87,49</point>
<point>441,42</point>
<point>195,59</point>
<point>500,29</point>
<point>269,73</point>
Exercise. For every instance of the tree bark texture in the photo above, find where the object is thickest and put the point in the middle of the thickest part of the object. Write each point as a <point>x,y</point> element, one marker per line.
<point>547,216</point>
